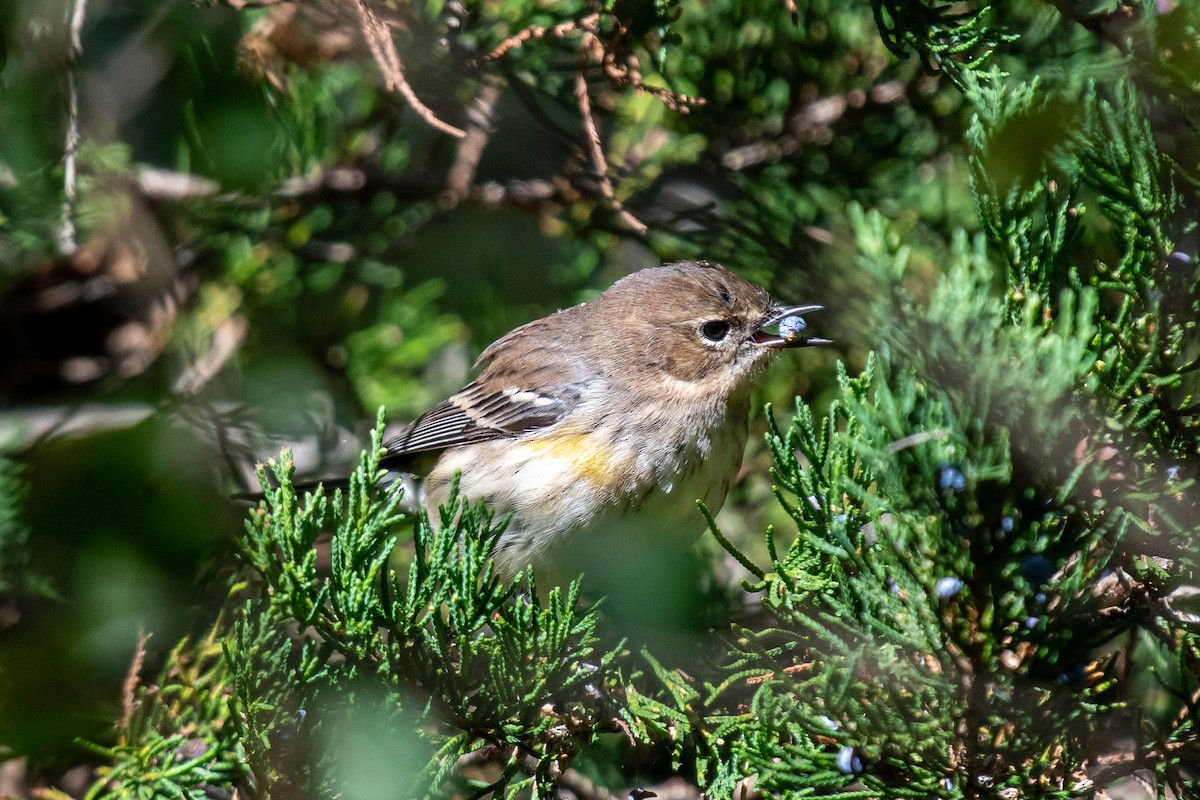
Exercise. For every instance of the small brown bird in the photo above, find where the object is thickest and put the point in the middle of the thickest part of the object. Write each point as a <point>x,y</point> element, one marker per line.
<point>605,423</point>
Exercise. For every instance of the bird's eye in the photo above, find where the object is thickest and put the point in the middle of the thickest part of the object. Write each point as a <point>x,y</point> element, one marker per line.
<point>714,330</point>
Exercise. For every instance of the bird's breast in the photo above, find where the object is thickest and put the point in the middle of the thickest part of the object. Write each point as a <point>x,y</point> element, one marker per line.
<point>599,485</point>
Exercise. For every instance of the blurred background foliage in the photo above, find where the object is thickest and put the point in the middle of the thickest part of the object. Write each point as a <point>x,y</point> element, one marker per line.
<point>228,226</point>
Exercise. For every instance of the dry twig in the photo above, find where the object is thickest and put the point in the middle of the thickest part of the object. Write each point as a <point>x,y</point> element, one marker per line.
<point>379,40</point>
<point>132,678</point>
<point>589,23</point>
<point>620,66</point>
<point>629,74</point>
<point>470,150</point>
<point>596,149</point>
<point>240,5</point>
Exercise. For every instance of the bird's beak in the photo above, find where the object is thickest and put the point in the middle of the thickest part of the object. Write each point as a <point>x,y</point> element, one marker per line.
<point>790,327</point>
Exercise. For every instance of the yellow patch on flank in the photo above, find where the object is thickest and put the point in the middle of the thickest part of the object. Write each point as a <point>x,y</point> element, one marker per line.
<point>597,464</point>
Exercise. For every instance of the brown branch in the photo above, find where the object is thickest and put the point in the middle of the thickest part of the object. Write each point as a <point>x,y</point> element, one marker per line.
<point>379,40</point>
<point>605,55</point>
<point>618,65</point>
<point>240,5</point>
<point>813,124</point>
<point>582,787</point>
<point>227,337</point>
<point>630,76</point>
<point>470,150</point>
<point>596,150</point>
<point>1106,769</point>
<point>589,23</point>
<point>132,677</point>
<point>493,193</point>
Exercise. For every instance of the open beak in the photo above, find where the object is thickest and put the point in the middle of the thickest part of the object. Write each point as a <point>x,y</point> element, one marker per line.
<point>789,329</point>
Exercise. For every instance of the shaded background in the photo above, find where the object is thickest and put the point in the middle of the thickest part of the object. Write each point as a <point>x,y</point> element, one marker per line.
<point>265,244</point>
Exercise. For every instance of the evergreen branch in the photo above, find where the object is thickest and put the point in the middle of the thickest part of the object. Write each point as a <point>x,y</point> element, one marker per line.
<point>730,548</point>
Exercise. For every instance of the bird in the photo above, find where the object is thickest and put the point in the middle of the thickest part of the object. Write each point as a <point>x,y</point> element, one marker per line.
<point>601,425</point>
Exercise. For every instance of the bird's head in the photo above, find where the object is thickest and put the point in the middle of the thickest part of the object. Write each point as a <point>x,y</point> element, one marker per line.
<point>697,323</point>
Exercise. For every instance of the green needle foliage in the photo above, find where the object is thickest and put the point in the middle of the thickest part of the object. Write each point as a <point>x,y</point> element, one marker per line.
<point>930,611</point>
<point>176,738</point>
<point>996,522</point>
<point>979,573</point>
<point>458,658</point>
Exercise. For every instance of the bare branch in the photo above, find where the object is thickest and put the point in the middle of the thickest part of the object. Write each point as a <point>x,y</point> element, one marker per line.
<point>470,149</point>
<point>582,787</point>
<point>622,76</point>
<point>165,184</point>
<point>379,40</point>
<point>66,229</point>
<point>239,5</point>
<point>596,150</point>
<point>589,23</point>
<point>226,339</point>
<point>629,74</point>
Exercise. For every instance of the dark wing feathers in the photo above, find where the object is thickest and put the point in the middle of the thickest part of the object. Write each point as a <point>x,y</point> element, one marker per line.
<point>477,415</point>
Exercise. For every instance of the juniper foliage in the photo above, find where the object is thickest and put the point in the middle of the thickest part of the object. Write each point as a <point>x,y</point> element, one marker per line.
<point>980,579</point>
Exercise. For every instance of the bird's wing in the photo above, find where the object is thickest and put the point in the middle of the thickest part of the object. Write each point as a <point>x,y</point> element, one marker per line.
<point>476,414</point>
